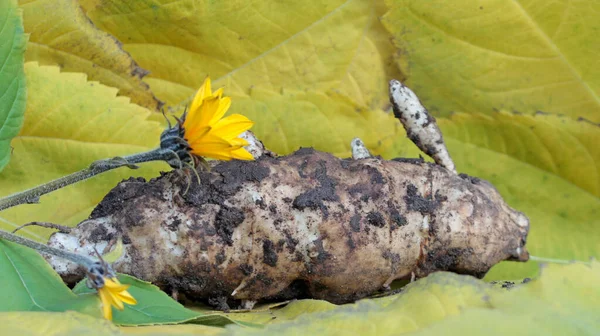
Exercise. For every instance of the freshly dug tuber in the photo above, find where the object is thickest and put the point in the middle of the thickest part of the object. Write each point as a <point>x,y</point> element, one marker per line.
<point>304,225</point>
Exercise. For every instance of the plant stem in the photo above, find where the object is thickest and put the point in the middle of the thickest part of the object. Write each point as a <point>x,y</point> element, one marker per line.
<point>33,195</point>
<point>555,261</point>
<point>76,258</point>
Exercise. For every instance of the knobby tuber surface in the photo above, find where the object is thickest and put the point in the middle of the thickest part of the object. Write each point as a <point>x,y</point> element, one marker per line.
<point>303,225</point>
<point>307,224</point>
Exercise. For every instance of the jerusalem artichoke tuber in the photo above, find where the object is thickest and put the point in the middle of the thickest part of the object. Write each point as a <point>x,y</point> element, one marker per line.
<point>304,225</point>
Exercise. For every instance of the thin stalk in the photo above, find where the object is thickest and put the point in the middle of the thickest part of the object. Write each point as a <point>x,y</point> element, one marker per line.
<point>33,195</point>
<point>555,261</point>
<point>76,258</point>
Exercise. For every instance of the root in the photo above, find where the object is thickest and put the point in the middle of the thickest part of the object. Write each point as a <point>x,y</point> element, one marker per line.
<point>420,126</point>
<point>359,150</point>
<point>195,172</point>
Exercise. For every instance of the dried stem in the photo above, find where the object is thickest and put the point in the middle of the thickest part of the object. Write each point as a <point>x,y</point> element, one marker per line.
<point>60,228</point>
<point>76,258</point>
<point>33,195</point>
<point>556,261</point>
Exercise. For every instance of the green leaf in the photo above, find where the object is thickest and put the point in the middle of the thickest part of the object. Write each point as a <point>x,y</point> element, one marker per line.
<point>153,307</point>
<point>28,283</point>
<point>563,300</point>
<point>69,123</point>
<point>526,55</point>
<point>12,77</point>
<point>62,35</point>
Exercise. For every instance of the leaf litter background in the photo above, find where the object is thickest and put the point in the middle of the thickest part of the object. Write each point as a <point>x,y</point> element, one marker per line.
<point>513,83</point>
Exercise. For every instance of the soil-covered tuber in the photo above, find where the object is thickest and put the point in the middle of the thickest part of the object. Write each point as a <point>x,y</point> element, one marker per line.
<point>304,225</point>
<point>308,224</point>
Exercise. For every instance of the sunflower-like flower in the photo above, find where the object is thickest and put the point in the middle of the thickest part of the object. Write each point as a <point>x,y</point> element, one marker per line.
<point>205,132</point>
<point>113,293</point>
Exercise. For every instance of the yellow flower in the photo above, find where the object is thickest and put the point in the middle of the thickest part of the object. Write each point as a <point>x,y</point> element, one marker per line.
<point>113,293</point>
<point>208,133</point>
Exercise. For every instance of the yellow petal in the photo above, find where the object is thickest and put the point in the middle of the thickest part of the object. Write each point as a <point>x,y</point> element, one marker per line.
<point>108,282</point>
<point>205,114</point>
<point>203,93</point>
<point>234,118</point>
<point>224,104</point>
<point>232,126</point>
<point>107,312</point>
<point>222,155</point>
<point>238,142</point>
<point>114,285</point>
<point>208,139</point>
<point>199,116</point>
<point>127,298</point>
<point>242,154</point>
<point>116,301</point>
<point>218,93</point>
<point>106,303</point>
<point>211,135</point>
<point>114,294</point>
<point>194,135</point>
<point>212,150</point>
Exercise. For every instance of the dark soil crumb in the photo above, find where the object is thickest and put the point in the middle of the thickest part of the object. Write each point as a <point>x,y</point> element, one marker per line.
<point>269,253</point>
<point>416,202</point>
<point>226,221</point>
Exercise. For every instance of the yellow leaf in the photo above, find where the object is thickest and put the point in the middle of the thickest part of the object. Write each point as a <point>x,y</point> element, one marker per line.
<point>296,119</point>
<point>61,34</point>
<point>69,123</point>
<point>292,311</point>
<point>182,329</point>
<point>73,323</point>
<point>365,82</point>
<point>50,324</point>
<point>564,299</point>
<point>481,56</point>
<point>116,252</point>
<point>316,45</point>
<point>554,144</point>
<point>545,166</point>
